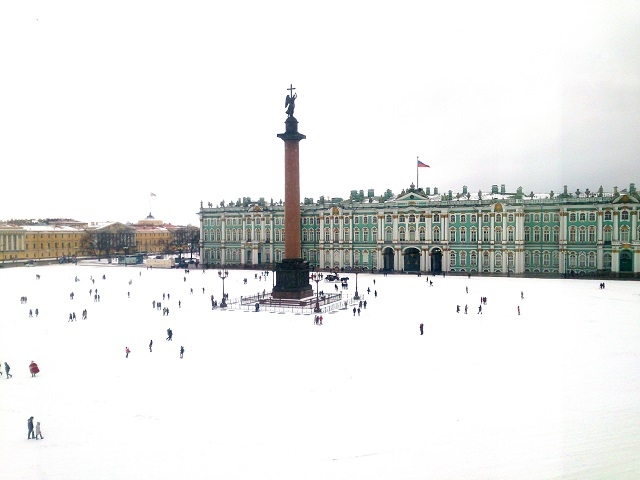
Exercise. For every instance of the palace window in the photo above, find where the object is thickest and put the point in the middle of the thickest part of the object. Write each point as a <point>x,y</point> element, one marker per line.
<point>582,235</point>
<point>546,234</point>
<point>556,234</point>
<point>452,218</point>
<point>536,258</point>
<point>583,217</point>
<point>388,234</point>
<point>510,218</point>
<point>546,259</point>
<point>592,216</point>
<point>474,235</point>
<point>436,217</point>
<point>572,217</point>
<point>436,234</point>
<point>606,261</point>
<point>422,233</point>
<point>389,219</point>
<point>346,236</point>
<point>582,260</point>
<point>474,258</point>
<point>401,232</point>
<point>336,235</point>
<point>510,234</point>
<point>572,234</point>
<point>374,234</point>
<point>267,235</point>
<point>401,219</point>
<point>573,261</point>
<point>463,259</point>
<point>498,261</point>
<point>607,216</point>
<point>463,218</point>
<point>527,234</point>
<point>499,234</point>
<point>412,234</point>
<point>592,234</point>
<point>592,259</point>
<point>365,234</point>
<point>452,234</point>
<point>327,235</point>
<point>555,258</point>
<point>485,218</point>
<point>422,218</point>
<point>463,235</point>
<point>510,260</point>
<point>608,233</point>
<point>624,234</point>
<point>452,259</point>
<point>474,218</point>
<point>485,259</point>
<point>412,218</point>
<point>498,218</point>
<point>485,234</point>
<point>545,217</point>
<point>624,215</point>
<point>305,235</point>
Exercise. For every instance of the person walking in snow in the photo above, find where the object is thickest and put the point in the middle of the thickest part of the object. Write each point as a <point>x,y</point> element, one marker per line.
<point>7,368</point>
<point>421,328</point>
<point>38,431</point>
<point>33,368</point>
<point>150,345</point>
<point>30,435</point>
<point>181,351</point>
<point>169,334</point>
<point>127,351</point>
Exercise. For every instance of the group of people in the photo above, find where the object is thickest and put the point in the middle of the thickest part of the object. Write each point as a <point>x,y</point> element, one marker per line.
<point>31,433</point>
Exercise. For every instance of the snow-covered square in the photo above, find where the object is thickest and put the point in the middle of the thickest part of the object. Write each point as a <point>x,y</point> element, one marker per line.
<point>552,392</point>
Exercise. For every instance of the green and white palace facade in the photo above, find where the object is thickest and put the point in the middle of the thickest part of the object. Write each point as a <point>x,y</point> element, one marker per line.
<point>567,235</point>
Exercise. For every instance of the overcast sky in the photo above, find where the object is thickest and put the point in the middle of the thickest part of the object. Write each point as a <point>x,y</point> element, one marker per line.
<point>102,103</point>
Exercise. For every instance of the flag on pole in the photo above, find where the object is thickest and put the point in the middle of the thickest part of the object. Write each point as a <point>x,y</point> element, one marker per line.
<point>153,194</point>
<point>421,164</point>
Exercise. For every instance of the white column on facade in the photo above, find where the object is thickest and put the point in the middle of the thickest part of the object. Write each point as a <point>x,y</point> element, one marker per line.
<point>398,259</point>
<point>428,226</point>
<point>492,227</point>
<point>634,226</point>
<point>395,227</point>
<point>427,260</point>
<point>444,221</point>
<point>616,218</point>
<point>599,231</point>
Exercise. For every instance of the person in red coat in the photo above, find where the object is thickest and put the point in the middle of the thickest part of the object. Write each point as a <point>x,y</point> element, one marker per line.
<point>33,368</point>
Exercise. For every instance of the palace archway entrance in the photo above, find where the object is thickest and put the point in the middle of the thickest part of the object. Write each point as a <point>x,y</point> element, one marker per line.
<point>387,257</point>
<point>626,261</point>
<point>412,260</point>
<point>436,260</point>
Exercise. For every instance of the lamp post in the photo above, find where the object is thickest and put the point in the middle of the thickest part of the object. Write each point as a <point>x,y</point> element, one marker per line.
<point>223,274</point>
<point>356,270</point>
<point>317,277</point>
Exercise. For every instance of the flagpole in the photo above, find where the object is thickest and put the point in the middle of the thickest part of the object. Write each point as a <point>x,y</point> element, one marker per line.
<point>417,169</point>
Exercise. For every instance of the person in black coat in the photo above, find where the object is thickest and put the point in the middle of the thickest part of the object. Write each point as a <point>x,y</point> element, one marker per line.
<point>30,427</point>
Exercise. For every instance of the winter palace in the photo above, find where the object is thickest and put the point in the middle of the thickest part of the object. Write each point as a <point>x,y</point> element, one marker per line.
<point>569,234</point>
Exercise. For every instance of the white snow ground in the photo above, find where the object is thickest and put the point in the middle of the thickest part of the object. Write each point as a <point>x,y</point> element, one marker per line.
<point>552,393</point>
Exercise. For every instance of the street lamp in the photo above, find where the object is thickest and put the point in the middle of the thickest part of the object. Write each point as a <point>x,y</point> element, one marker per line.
<point>356,270</point>
<point>223,274</point>
<point>317,277</point>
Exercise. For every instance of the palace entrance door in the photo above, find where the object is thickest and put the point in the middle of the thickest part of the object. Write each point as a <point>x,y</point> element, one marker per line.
<point>412,260</point>
<point>436,260</point>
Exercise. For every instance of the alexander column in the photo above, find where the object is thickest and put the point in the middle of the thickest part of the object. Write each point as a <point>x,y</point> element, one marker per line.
<point>292,274</point>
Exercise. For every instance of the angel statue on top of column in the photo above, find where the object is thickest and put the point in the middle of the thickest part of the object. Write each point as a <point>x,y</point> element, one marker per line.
<point>290,104</point>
